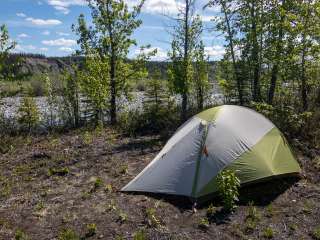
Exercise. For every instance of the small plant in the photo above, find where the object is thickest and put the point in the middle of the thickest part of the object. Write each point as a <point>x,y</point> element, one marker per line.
<point>211,210</point>
<point>152,218</point>
<point>124,169</point>
<point>316,233</point>
<point>108,188</point>
<point>39,206</point>
<point>139,235</point>
<point>87,138</point>
<point>268,233</point>
<point>123,217</point>
<point>20,235</point>
<point>204,223</point>
<point>68,234</point>
<point>252,212</point>
<point>119,237</point>
<point>97,184</point>
<point>112,206</point>
<point>270,211</point>
<point>228,186</point>
<point>292,227</point>
<point>91,230</point>
<point>250,225</point>
<point>316,163</point>
<point>58,171</point>
<point>252,218</point>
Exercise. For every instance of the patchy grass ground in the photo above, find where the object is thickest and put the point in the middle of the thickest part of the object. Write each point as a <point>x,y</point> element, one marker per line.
<point>66,187</point>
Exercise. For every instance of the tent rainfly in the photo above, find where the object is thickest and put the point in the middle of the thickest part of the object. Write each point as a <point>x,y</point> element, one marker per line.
<point>225,137</point>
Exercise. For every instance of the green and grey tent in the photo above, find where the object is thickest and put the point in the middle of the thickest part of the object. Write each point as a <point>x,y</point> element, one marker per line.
<point>225,137</point>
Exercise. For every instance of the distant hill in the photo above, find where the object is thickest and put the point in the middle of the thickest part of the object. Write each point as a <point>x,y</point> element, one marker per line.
<point>37,64</point>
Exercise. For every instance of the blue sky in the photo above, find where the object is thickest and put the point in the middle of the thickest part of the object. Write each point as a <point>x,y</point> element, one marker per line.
<point>44,26</point>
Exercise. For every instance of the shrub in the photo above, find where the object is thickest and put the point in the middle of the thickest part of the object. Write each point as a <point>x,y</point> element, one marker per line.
<point>228,187</point>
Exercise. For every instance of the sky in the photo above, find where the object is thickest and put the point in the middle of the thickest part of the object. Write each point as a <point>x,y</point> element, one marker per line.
<point>44,26</point>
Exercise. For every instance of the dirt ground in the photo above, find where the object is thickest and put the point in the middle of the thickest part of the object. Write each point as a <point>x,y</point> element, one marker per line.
<point>66,186</point>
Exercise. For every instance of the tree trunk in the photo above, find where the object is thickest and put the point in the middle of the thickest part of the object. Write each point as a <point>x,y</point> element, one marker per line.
<point>186,56</point>
<point>255,56</point>
<point>200,99</point>
<point>184,107</point>
<point>304,96</point>
<point>231,45</point>
<point>113,91</point>
<point>275,68</point>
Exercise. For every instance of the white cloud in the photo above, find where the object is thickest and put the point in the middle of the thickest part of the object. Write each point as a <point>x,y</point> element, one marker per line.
<point>23,35</point>
<point>43,22</point>
<point>63,5</point>
<point>25,48</point>
<point>46,33</point>
<point>21,15</point>
<point>60,42</point>
<point>43,49</point>
<point>158,6</point>
<point>215,51</point>
<point>161,54</point>
<point>207,18</point>
<point>66,49</point>
<point>63,34</point>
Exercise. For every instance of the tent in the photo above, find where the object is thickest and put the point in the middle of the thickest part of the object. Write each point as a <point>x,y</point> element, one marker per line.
<point>225,137</point>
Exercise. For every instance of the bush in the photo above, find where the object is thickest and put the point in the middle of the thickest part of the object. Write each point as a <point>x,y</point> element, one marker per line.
<point>228,187</point>
<point>150,121</point>
<point>286,118</point>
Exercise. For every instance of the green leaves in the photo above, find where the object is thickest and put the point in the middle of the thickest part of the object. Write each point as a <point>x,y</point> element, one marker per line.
<point>106,45</point>
<point>228,186</point>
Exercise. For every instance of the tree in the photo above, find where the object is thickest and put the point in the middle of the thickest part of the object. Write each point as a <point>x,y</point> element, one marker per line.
<point>110,38</point>
<point>28,113</point>
<point>201,83</point>
<point>226,24</point>
<point>186,34</point>
<point>5,47</point>
<point>92,82</point>
<point>71,94</point>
